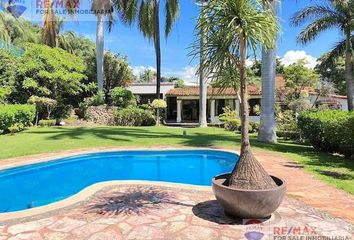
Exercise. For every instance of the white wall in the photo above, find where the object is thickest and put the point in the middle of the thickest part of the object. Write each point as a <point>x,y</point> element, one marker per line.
<point>150,88</point>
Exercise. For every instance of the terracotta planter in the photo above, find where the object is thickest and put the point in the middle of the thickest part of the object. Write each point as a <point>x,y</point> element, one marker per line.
<point>248,203</point>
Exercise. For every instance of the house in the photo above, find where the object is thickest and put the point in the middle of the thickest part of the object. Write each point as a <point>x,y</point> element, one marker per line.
<point>183,103</point>
<point>146,92</point>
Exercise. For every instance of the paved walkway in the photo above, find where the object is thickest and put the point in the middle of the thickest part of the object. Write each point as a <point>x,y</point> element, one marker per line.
<point>168,212</point>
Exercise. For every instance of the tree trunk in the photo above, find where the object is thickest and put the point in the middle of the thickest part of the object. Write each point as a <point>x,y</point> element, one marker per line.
<point>157,47</point>
<point>267,129</point>
<point>203,86</point>
<point>349,71</point>
<point>158,117</point>
<point>248,172</point>
<point>99,51</point>
<point>49,24</point>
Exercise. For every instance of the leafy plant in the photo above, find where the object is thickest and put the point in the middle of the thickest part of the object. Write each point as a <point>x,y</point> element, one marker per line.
<point>97,99</point>
<point>42,104</point>
<point>133,116</point>
<point>329,130</point>
<point>17,127</point>
<point>158,104</point>
<point>49,72</point>
<point>47,123</point>
<point>15,114</point>
<point>122,97</point>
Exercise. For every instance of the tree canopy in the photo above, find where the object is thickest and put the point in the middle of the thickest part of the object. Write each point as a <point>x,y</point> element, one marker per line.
<point>49,72</point>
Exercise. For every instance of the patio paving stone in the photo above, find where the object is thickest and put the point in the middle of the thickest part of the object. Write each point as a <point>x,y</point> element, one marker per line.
<point>165,212</point>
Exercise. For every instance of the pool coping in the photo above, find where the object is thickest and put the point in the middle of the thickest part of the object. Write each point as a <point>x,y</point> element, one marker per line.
<point>90,191</point>
<point>94,188</point>
<point>31,159</point>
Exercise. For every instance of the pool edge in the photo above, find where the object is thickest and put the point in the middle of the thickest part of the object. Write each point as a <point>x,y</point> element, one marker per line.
<point>88,192</point>
<point>92,189</point>
<point>6,164</point>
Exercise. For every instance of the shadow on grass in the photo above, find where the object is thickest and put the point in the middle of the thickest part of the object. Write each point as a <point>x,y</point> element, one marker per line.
<point>134,134</point>
<point>303,154</point>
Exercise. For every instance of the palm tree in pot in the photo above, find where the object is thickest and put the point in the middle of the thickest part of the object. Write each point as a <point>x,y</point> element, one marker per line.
<point>232,29</point>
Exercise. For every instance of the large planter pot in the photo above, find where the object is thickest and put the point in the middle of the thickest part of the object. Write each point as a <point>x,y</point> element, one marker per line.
<point>248,203</point>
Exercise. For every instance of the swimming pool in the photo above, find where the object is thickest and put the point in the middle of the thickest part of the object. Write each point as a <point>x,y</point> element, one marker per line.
<point>47,182</point>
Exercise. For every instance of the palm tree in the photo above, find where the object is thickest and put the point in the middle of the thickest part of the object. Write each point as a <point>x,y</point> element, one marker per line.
<point>267,128</point>
<point>102,9</point>
<point>233,27</point>
<point>203,85</point>
<point>340,14</point>
<point>149,24</point>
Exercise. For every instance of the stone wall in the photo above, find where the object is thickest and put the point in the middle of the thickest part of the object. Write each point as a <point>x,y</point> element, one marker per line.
<point>103,115</point>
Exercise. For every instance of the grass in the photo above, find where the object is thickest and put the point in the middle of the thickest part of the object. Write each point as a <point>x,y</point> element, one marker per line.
<point>333,169</point>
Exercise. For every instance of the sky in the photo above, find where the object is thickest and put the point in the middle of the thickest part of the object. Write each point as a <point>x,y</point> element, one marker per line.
<point>128,41</point>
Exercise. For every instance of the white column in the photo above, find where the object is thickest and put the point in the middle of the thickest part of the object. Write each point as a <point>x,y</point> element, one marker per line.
<point>212,110</point>
<point>179,111</point>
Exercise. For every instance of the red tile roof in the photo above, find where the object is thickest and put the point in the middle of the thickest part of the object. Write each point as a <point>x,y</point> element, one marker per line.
<point>252,90</point>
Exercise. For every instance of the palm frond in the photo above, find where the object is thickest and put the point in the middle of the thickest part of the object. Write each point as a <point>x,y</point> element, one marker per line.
<point>338,51</point>
<point>126,9</point>
<point>146,18</point>
<point>312,12</point>
<point>224,21</point>
<point>312,31</point>
<point>172,13</point>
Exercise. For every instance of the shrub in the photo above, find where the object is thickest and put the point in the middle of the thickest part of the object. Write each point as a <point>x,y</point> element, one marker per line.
<point>329,130</point>
<point>122,97</point>
<point>15,114</point>
<point>228,114</point>
<point>232,124</point>
<point>287,125</point>
<point>47,123</point>
<point>253,127</point>
<point>17,127</point>
<point>97,99</point>
<point>62,111</point>
<point>81,111</point>
<point>133,116</point>
<point>42,104</point>
<point>159,104</point>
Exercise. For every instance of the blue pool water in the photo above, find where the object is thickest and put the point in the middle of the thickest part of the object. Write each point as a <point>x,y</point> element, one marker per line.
<point>43,183</point>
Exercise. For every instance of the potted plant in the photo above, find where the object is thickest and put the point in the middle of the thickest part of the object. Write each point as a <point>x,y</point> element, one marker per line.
<point>231,28</point>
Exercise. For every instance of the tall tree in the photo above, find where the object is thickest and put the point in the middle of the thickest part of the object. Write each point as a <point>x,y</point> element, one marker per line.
<point>102,9</point>
<point>331,66</point>
<point>267,129</point>
<point>233,27</point>
<point>324,16</point>
<point>203,84</point>
<point>149,24</point>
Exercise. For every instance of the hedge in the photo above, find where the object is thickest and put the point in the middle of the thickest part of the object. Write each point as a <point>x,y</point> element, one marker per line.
<point>16,114</point>
<point>133,116</point>
<point>329,130</point>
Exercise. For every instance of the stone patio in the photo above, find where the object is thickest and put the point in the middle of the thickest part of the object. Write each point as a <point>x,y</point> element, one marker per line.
<point>156,211</point>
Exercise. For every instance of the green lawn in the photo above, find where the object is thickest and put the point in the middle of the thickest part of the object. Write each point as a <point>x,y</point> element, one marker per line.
<point>335,170</point>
